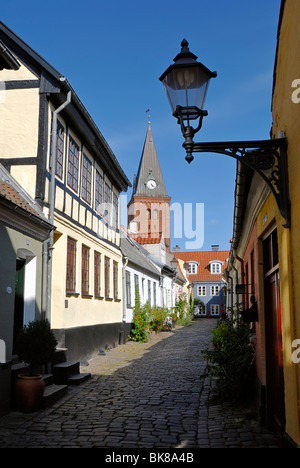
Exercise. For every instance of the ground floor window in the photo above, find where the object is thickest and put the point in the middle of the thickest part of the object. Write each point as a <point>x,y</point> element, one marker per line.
<point>128,289</point>
<point>97,274</point>
<point>115,277</point>
<point>107,276</point>
<point>71,266</point>
<point>85,270</point>
<point>214,309</point>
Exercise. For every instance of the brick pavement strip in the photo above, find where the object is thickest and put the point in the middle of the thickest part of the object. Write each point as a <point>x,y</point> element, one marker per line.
<point>148,395</point>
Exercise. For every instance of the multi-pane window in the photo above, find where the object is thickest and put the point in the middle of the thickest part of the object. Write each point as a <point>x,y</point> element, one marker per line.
<point>214,290</point>
<point>201,290</point>
<point>86,179</point>
<point>107,201</point>
<point>115,211</point>
<point>215,268</point>
<point>73,164</point>
<point>128,289</point>
<point>59,149</point>
<point>192,268</point>
<point>99,193</point>
<point>85,268</point>
<point>136,282</point>
<point>154,294</point>
<point>116,279</point>
<point>107,276</point>
<point>97,274</point>
<point>214,309</point>
<point>71,266</point>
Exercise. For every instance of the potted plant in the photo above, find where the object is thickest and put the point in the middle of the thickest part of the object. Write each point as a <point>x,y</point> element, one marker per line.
<point>174,319</point>
<point>35,345</point>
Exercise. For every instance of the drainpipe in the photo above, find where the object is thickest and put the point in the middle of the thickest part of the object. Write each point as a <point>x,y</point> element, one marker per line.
<point>52,198</point>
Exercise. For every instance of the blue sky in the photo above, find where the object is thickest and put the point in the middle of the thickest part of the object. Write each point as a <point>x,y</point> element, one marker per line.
<point>113,54</point>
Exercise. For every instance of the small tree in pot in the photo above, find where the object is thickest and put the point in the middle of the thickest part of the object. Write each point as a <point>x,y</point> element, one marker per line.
<point>35,345</point>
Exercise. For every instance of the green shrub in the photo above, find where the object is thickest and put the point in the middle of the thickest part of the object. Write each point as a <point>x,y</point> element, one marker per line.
<point>231,360</point>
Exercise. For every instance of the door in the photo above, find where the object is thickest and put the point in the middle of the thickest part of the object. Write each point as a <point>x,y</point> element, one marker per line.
<point>274,363</point>
<point>19,298</point>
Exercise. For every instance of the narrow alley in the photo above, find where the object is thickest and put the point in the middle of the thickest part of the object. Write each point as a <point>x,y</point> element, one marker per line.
<point>141,396</point>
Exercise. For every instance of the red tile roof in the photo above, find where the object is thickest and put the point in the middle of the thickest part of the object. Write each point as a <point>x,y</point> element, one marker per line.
<point>11,194</point>
<point>204,259</point>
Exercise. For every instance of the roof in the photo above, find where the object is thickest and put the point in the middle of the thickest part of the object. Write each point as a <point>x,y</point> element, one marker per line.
<point>149,168</point>
<point>135,254</point>
<point>12,192</point>
<point>204,259</point>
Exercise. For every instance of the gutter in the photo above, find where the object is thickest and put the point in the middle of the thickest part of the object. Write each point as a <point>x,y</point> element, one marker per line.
<point>47,268</point>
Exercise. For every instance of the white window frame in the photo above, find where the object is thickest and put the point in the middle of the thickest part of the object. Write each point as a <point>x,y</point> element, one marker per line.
<point>201,290</point>
<point>215,309</point>
<point>215,290</point>
<point>215,268</point>
<point>193,268</point>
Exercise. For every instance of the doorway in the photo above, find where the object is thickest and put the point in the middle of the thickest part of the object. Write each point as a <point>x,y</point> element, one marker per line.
<point>273,333</point>
<point>19,298</point>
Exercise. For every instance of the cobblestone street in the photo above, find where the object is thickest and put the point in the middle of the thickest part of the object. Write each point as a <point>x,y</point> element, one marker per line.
<point>141,396</point>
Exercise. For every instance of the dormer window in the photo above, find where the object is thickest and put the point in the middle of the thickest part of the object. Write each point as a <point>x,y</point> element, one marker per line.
<point>215,268</point>
<point>193,268</point>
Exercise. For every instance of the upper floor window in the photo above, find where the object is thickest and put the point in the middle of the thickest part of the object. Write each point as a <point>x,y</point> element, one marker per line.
<point>99,192</point>
<point>214,290</point>
<point>215,268</point>
<point>86,179</point>
<point>201,290</point>
<point>107,202</point>
<point>192,268</point>
<point>115,220</point>
<point>59,149</point>
<point>73,164</point>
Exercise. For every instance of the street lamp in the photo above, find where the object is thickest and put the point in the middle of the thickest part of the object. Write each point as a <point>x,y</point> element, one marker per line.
<point>186,83</point>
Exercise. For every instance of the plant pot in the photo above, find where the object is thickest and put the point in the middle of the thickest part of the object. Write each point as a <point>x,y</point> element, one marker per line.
<point>29,391</point>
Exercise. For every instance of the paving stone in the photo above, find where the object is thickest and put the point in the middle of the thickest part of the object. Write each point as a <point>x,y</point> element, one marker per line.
<point>147,395</point>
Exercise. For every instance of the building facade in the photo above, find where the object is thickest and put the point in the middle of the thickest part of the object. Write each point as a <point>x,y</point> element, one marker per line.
<point>265,252</point>
<point>205,273</point>
<point>52,147</point>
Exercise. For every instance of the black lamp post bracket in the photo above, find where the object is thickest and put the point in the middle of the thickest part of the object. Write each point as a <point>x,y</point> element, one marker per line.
<point>268,158</point>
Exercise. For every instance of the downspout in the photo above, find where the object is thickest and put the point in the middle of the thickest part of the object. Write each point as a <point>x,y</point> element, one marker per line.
<point>52,199</point>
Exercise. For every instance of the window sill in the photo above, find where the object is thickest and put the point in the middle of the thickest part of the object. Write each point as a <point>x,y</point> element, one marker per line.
<point>99,297</point>
<point>72,293</point>
<point>117,300</point>
<point>87,296</point>
<point>109,299</point>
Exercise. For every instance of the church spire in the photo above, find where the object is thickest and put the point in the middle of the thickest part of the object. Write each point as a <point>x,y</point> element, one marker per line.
<point>149,179</point>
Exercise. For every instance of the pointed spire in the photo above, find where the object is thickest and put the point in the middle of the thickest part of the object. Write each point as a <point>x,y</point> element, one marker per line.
<point>149,179</point>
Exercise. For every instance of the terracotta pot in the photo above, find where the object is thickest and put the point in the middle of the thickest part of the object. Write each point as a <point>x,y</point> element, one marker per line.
<point>29,391</point>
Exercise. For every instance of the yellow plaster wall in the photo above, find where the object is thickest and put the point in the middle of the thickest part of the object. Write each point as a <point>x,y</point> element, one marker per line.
<point>286,116</point>
<point>82,311</point>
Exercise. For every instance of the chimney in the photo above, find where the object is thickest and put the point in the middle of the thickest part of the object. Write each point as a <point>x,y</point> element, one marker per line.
<point>177,248</point>
<point>215,247</point>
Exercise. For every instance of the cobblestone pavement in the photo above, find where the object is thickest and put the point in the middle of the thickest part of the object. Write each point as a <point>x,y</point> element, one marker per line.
<point>141,396</point>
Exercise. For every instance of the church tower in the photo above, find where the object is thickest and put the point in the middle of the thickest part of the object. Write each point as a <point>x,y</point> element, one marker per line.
<point>149,207</point>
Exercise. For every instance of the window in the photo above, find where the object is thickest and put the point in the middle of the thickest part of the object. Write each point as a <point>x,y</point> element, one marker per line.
<point>71,266</point>
<point>85,269</point>
<point>107,276</point>
<point>59,149</point>
<point>73,164</point>
<point>149,292</point>
<point>116,279</point>
<point>136,282</point>
<point>215,268</point>
<point>115,220</point>
<point>214,309</point>
<point>107,201</point>
<point>99,193</point>
<point>192,268</point>
<point>214,290</point>
<point>201,290</point>
<point>97,274</point>
<point>154,294</point>
<point>128,289</point>
<point>86,179</point>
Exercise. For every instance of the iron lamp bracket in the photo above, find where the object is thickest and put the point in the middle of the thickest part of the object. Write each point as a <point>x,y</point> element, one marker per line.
<point>268,158</point>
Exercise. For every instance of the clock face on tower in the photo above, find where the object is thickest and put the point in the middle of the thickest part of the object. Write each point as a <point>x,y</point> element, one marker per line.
<point>151,184</point>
